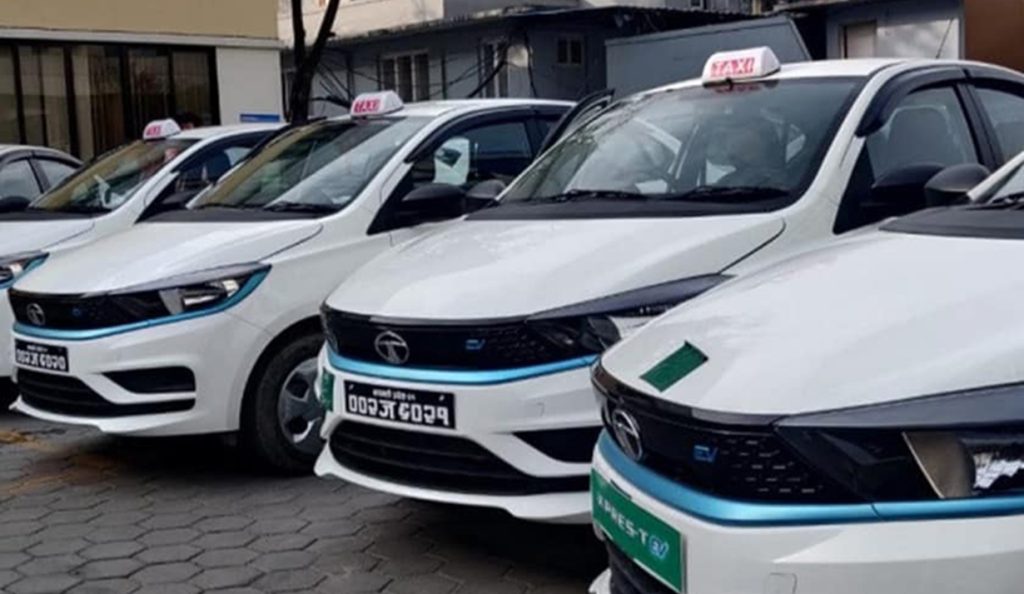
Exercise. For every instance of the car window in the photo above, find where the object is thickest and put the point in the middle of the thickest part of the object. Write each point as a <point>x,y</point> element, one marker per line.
<point>109,182</point>
<point>212,165</point>
<point>18,180</point>
<point>493,151</point>
<point>55,171</point>
<point>317,168</point>
<point>685,148</point>
<point>1006,112</point>
<point>928,129</point>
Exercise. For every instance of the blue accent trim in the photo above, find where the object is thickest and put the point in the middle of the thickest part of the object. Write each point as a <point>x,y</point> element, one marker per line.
<point>92,334</point>
<point>741,513</point>
<point>462,378</point>
<point>32,265</point>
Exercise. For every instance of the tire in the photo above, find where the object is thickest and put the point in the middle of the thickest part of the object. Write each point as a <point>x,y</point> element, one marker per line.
<point>281,416</point>
<point>8,394</point>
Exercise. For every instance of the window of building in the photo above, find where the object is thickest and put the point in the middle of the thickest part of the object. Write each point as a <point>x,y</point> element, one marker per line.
<point>44,94</point>
<point>859,40</point>
<point>494,69</point>
<point>570,51</point>
<point>408,75</point>
<point>87,99</point>
<point>10,129</point>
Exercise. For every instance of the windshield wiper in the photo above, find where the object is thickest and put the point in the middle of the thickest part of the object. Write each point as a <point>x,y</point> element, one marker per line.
<point>227,206</point>
<point>301,207</point>
<point>573,195</point>
<point>1011,201</point>
<point>728,194</point>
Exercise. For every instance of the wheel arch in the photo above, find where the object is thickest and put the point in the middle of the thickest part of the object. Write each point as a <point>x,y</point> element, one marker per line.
<point>308,325</point>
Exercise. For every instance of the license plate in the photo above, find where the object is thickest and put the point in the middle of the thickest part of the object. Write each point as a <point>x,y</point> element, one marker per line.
<point>651,543</point>
<point>413,407</point>
<point>40,356</point>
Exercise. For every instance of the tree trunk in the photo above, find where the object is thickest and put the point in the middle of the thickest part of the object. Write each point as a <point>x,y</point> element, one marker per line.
<point>306,60</point>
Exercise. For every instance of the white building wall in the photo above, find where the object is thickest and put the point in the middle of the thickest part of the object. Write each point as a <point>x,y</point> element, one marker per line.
<point>905,28</point>
<point>249,82</point>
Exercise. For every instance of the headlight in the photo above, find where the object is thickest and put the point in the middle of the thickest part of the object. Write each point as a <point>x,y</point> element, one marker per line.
<point>960,445</point>
<point>594,326</point>
<point>189,293</point>
<point>13,267</point>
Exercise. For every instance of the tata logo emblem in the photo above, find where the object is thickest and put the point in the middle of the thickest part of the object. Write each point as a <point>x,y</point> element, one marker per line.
<point>658,548</point>
<point>391,347</point>
<point>627,433</point>
<point>705,454</point>
<point>35,314</point>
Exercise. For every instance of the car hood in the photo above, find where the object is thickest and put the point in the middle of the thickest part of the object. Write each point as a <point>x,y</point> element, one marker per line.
<point>153,251</point>
<point>30,235</point>
<point>879,318</point>
<point>495,269</point>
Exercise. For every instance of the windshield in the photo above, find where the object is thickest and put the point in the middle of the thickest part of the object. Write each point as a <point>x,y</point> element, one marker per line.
<point>319,167</point>
<point>742,143</point>
<point>105,184</point>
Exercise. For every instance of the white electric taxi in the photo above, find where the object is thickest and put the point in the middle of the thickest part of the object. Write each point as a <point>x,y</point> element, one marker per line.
<point>457,366</point>
<point>849,420</point>
<point>205,320</point>
<point>130,184</point>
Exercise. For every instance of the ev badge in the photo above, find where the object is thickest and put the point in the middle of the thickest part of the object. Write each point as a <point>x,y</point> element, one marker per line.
<point>35,314</point>
<point>391,347</point>
<point>627,433</point>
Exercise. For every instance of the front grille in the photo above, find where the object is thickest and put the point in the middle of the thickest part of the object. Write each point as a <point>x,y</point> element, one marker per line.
<point>437,462</point>
<point>70,396</point>
<point>744,462</point>
<point>630,578</point>
<point>455,346</point>
<point>85,312</point>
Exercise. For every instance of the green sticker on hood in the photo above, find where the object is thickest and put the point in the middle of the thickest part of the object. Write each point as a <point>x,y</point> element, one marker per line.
<point>675,367</point>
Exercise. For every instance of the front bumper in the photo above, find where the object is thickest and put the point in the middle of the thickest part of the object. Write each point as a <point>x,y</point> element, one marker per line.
<point>218,349</point>
<point>490,420</point>
<point>950,556</point>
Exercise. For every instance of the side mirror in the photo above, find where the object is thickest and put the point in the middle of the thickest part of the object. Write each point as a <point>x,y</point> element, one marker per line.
<point>433,202</point>
<point>483,194</point>
<point>901,191</point>
<point>951,185</point>
<point>14,203</point>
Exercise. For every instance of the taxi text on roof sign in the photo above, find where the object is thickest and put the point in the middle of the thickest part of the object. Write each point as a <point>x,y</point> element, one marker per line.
<point>740,64</point>
<point>371,104</point>
<point>160,129</point>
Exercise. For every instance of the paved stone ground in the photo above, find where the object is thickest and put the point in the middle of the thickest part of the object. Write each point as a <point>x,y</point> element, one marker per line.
<point>86,513</point>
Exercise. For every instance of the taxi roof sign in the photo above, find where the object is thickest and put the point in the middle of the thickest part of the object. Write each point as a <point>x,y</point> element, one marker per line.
<point>160,129</point>
<point>742,64</point>
<point>375,104</point>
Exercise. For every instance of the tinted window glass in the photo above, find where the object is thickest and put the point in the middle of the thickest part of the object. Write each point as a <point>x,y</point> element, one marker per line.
<point>17,179</point>
<point>108,183</point>
<point>55,171</point>
<point>928,127</point>
<point>495,151</point>
<point>1006,112</point>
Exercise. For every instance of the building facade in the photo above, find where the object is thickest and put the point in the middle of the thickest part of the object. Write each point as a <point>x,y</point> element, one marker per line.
<point>86,75</point>
<point>438,49</point>
<point>983,30</point>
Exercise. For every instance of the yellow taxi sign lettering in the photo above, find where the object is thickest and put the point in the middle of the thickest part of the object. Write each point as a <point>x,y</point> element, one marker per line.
<point>740,65</point>
<point>373,104</point>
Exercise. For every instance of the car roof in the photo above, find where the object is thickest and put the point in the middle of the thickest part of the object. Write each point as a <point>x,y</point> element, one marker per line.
<point>846,68</point>
<point>434,109</point>
<point>208,132</point>
<point>9,148</point>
